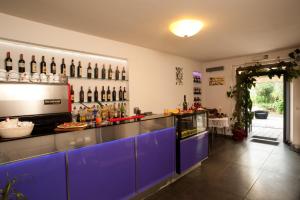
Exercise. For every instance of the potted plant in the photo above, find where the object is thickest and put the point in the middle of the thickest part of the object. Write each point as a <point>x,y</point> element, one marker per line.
<point>9,192</point>
<point>238,132</point>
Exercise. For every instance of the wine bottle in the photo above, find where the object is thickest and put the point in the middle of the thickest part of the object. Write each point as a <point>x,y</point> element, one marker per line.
<point>123,74</point>
<point>103,72</point>
<point>109,73</point>
<point>120,94</point>
<point>79,70</point>
<point>63,69</point>
<point>72,94</point>
<point>89,95</point>
<point>72,69</point>
<point>184,105</point>
<point>96,71</point>
<point>8,62</point>
<point>21,64</point>
<point>117,73</point>
<point>43,65</point>
<point>89,71</point>
<point>115,111</point>
<point>119,110</point>
<point>102,94</point>
<point>122,110</point>
<point>114,94</point>
<point>96,95</point>
<point>81,95</point>
<point>53,66</point>
<point>33,68</point>
<point>124,94</point>
<point>108,94</point>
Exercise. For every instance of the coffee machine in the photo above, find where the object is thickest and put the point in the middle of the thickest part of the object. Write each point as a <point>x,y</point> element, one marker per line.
<point>45,104</point>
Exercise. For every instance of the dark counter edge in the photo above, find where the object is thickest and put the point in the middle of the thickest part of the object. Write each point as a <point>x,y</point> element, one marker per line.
<point>155,116</point>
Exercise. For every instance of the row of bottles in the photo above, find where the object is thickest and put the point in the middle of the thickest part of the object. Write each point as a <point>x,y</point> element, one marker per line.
<point>91,73</point>
<point>197,78</point>
<point>99,113</point>
<point>197,90</point>
<point>105,96</point>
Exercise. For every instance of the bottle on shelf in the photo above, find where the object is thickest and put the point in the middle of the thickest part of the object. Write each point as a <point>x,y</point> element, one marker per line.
<point>108,94</point>
<point>102,94</point>
<point>96,99</point>
<point>110,71</point>
<point>96,71</point>
<point>125,110</point>
<point>115,111</point>
<point>72,69</point>
<point>89,95</point>
<point>123,74</point>
<point>117,74</point>
<point>103,72</point>
<point>72,94</point>
<point>122,110</point>
<point>53,66</point>
<point>81,95</point>
<point>114,94</point>
<point>124,94</point>
<point>79,70</point>
<point>184,105</point>
<point>21,64</point>
<point>74,114</point>
<point>63,69</point>
<point>33,68</point>
<point>43,65</point>
<point>120,94</point>
<point>119,110</point>
<point>89,71</point>
<point>8,62</point>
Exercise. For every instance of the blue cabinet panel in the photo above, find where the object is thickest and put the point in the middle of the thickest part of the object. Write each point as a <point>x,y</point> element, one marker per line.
<point>193,150</point>
<point>41,178</point>
<point>155,157</point>
<point>103,171</point>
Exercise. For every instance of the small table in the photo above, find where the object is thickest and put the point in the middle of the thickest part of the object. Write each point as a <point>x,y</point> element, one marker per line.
<point>216,123</point>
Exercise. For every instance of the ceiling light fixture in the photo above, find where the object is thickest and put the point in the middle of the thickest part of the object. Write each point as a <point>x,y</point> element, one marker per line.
<point>186,27</point>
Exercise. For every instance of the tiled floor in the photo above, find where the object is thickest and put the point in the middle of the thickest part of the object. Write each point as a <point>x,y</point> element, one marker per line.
<point>240,170</point>
<point>271,127</point>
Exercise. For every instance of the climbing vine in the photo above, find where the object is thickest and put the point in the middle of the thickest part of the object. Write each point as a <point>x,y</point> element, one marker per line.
<point>245,80</point>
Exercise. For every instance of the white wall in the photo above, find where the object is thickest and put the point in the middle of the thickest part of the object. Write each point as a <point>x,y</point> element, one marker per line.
<point>152,74</point>
<point>215,96</point>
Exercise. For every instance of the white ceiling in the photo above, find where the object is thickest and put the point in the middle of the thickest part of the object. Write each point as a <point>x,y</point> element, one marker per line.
<point>232,27</point>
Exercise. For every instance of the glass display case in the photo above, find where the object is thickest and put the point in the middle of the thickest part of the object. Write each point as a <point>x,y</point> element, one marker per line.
<point>190,124</point>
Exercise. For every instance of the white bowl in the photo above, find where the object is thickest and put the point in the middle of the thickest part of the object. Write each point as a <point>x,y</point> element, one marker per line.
<point>16,132</point>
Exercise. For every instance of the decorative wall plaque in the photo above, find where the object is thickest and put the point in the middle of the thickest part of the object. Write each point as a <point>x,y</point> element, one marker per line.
<point>179,76</point>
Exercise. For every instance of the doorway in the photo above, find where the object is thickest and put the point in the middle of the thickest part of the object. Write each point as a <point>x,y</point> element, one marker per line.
<point>268,106</point>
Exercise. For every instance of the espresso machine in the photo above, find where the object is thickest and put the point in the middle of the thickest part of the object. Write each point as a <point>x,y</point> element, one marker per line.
<point>46,105</point>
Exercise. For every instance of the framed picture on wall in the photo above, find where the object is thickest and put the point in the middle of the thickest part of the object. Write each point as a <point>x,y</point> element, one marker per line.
<point>214,81</point>
<point>179,75</point>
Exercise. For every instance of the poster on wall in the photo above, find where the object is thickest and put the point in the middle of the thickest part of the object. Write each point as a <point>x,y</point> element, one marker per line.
<point>179,76</point>
<point>219,80</point>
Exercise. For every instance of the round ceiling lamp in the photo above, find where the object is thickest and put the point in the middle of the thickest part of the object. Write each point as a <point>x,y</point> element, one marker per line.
<point>186,27</point>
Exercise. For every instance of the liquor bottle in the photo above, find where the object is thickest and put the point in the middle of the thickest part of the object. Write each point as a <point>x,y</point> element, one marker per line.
<point>81,95</point>
<point>96,71</point>
<point>33,68</point>
<point>125,110</point>
<point>72,69</point>
<point>89,71</point>
<point>72,94</point>
<point>102,94</point>
<point>120,94</point>
<point>96,99</point>
<point>43,65</point>
<point>115,110</point>
<point>122,110</point>
<point>119,110</point>
<point>114,94</point>
<point>89,95</point>
<point>117,73</point>
<point>109,73</point>
<point>53,66</point>
<point>21,64</point>
<point>184,105</point>
<point>123,74</point>
<point>79,70</point>
<point>108,94</point>
<point>63,69</point>
<point>8,62</point>
<point>124,94</point>
<point>103,72</point>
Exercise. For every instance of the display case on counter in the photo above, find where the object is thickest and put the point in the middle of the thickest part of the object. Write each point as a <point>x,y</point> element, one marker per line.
<point>191,139</point>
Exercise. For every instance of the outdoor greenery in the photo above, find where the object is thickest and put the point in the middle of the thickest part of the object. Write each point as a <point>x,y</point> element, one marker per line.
<point>268,96</point>
<point>246,79</point>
